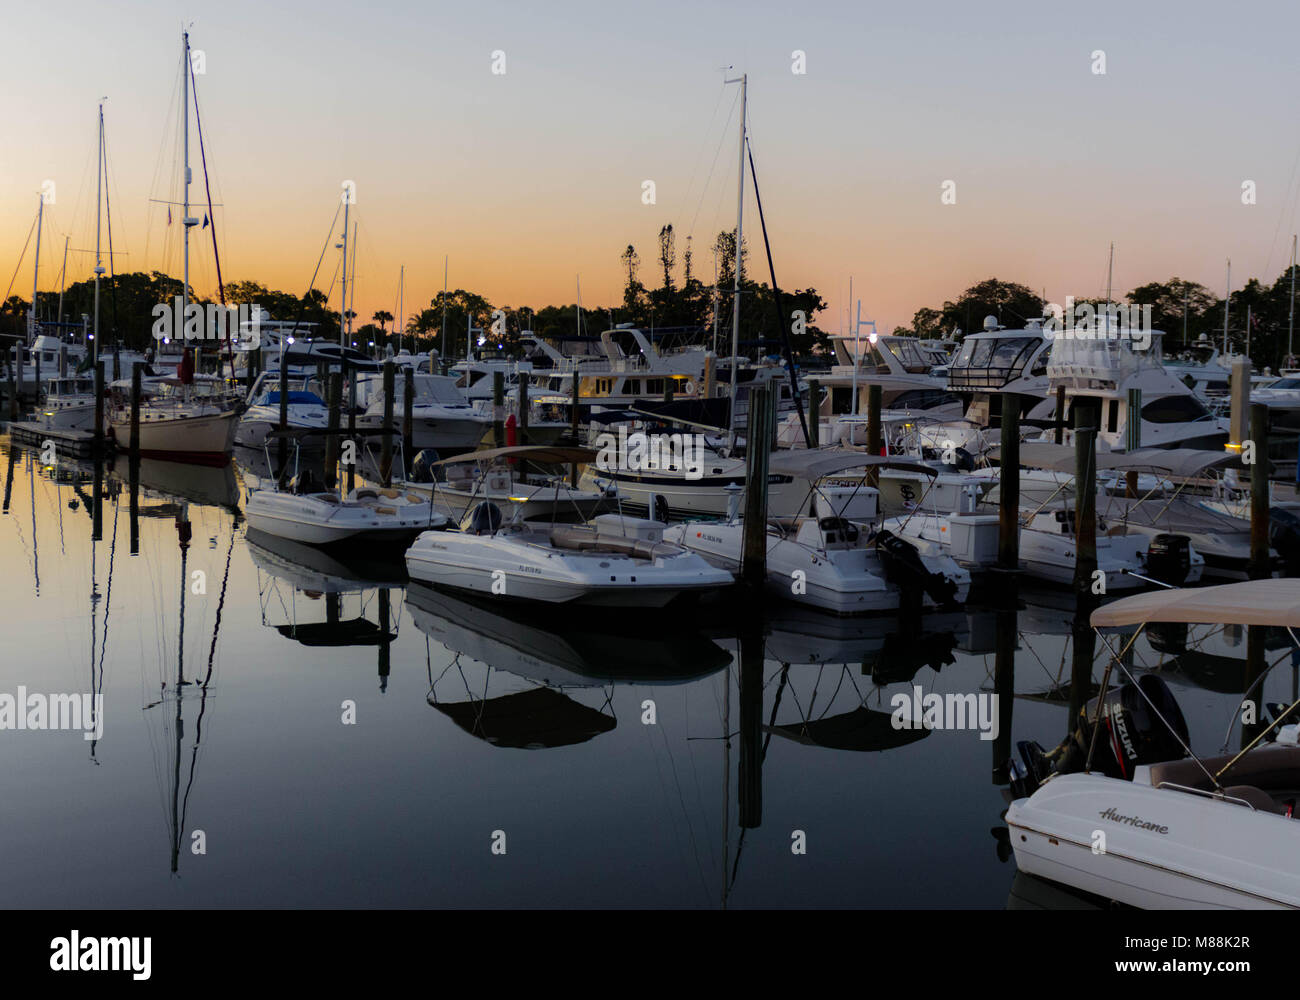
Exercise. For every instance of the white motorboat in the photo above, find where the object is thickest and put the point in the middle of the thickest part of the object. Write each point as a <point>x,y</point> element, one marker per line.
<point>1102,370</point>
<point>305,409</point>
<point>497,475</point>
<point>1125,809</point>
<point>613,561</point>
<point>321,517</point>
<point>442,418</point>
<point>69,404</point>
<point>830,558</point>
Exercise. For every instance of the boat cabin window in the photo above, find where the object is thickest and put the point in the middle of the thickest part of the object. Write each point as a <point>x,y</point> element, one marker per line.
<point>907,354</point>
<point>1174,410</point>
<point>1112,416</point>
<point>654,386</point>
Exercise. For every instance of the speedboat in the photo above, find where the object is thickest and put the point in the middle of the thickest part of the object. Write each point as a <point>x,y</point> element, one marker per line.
<point>497,475</point>
<point>304,409</point>
<point>1126,810</point>
<point>321,517</point>
<point>832,558</point>
<point>441,417</point>
<point>612,561</point>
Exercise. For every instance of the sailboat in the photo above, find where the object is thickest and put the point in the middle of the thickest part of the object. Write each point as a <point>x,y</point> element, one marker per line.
<point>180,423</point>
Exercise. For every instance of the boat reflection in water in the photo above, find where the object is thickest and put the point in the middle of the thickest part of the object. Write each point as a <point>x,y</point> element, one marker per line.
<point>335,577</point>
<point>538,657</point>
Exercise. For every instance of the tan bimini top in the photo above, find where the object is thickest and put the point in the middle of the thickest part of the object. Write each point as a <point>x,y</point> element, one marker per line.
<point>1255,602</point>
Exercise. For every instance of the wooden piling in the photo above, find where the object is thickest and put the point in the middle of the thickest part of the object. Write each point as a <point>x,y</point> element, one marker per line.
<point>498,409</point>
<point>758,447</point>
<point>1260,564</point>
<point>334,400</point>
<point>408,422</point>
<point>1085,492</point>
<point>1060,414</point>
<point>521,419</point>
<point>386,440</point>
<point>574,413</point>
<point>875,433</point>
<point>814,413</point>
<point>13,389</point>
<point>1009,485</point>
<point>282,449</point>
<point>352,431</point>
<point>99,407</point>
<point>36,360</point>
<point>63,361</point>
<point>137,373</point>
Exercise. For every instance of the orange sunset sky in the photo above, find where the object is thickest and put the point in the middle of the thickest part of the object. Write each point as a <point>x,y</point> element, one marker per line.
<point>530,178</point>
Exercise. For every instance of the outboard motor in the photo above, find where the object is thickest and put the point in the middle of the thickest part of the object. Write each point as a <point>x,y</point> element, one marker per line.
<point>1130,733</point>
<point>304,482</point>
<point>422,467</point>
<point>484,519</point>
<point>905,570</point>
<point>1284,536</point>
<point>1169,559</point>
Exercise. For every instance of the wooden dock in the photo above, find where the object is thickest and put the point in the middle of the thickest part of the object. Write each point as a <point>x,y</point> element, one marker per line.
<point>71,444</point>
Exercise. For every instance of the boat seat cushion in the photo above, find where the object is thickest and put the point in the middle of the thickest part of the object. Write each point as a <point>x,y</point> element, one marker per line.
<point>1273,769</point>
<point>1257,797</point>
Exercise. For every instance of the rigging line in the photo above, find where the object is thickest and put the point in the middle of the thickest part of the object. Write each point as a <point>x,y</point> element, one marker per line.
<point>212,218</point>
<point>836,693</point>
<point>1290,188</point>
<point>112,275</point>
<point>108,606</point>
<point>713,166</point>
<point>20,262</point>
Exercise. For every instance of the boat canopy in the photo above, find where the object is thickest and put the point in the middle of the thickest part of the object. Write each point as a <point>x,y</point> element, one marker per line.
<point>1254,602</point>
<point>818,463</point>
<point>1183,462</point>
<point>541,453</point>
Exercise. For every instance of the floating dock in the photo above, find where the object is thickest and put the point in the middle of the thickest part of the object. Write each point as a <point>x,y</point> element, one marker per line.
<point>68,443</point>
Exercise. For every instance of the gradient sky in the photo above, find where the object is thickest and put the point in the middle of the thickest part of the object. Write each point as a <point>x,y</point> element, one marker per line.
<point>529,179</point>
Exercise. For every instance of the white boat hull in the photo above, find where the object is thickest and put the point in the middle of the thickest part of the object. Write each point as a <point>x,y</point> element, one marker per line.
<point>1212,854</point>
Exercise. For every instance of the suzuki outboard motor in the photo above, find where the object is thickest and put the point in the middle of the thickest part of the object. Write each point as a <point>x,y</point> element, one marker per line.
<point>422,467</point>
<point>484,519</point>
<point>1284,536</point>
<point>304,482</point>
<point>1130,733</point>
<point>1169,559</point>
<point>905,570</point>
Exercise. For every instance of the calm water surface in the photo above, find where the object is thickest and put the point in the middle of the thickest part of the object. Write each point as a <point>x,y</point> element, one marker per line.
<point>225,693</point>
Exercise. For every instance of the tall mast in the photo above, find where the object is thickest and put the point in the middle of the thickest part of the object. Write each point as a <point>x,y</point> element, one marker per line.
<point>186,221</point>
<point>36,272</point>
<point>442,342</point>
<point>401,287</point>
<point>353,302</point>
<point>63,280</point>
<point>1110,273</point>
<point>343,312</point>
<point>740,220</point>
<point>1227,300</point>
<point>99,265</point>
<point>1290,322</point>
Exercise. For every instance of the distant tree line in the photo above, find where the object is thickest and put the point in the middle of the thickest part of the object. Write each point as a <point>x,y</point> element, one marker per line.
<point>1183,310</point>
<point>683,301</point>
